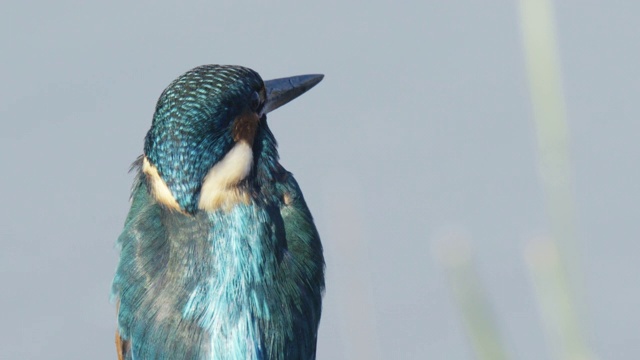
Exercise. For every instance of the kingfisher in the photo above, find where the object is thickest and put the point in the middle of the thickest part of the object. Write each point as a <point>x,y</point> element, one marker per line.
<point>219,255</point>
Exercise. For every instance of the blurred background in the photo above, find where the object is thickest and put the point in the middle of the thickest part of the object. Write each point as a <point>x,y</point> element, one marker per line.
<point>472,166</point>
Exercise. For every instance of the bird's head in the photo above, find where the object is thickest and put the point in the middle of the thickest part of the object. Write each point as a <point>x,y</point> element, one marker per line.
<point>209,134</point>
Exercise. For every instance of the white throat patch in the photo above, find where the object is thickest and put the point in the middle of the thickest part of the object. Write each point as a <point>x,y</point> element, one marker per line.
<point>219,186</point>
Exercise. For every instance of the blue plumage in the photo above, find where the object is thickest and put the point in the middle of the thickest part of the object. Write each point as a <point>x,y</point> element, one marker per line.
<point>237,277</point>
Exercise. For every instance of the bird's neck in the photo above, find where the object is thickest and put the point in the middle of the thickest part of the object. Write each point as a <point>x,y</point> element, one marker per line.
<point>183,160</point>
<point>209,174</point>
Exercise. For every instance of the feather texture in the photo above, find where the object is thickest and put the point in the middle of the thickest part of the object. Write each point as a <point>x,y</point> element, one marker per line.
<point>243,284</point>
<point>238,282</point>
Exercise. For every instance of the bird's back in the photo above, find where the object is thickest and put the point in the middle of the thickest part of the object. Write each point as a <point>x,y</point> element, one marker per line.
<point>243,282</point>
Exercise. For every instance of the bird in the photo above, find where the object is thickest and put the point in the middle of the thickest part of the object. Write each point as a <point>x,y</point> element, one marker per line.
<point>219,257</point>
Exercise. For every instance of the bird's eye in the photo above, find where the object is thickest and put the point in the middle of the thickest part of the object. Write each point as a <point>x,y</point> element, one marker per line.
<point>255,101</point>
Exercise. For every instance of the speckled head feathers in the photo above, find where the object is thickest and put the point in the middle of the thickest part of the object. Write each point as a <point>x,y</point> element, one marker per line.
<point>192,125</point>
<point>199,118</point>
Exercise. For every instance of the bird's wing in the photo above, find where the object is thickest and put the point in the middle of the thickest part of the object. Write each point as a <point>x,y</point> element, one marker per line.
<point>303,266</point>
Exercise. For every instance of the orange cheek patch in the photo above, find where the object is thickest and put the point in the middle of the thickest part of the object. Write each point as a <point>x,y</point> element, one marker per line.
<point>245,126</point>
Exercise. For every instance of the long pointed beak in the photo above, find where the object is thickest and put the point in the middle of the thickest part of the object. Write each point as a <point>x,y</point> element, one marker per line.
<point>281,91</point>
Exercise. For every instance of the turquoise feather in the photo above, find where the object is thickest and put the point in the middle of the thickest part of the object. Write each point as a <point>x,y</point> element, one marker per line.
<point>238,283</point>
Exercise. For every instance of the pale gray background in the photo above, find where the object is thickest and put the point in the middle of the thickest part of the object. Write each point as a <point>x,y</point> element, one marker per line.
<point>422,125</point>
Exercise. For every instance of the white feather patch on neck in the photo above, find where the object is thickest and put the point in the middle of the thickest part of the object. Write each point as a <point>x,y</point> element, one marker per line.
<point>159,188</point>
<point>219,186</point>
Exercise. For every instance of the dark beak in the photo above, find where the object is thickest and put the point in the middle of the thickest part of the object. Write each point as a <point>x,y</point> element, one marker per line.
<point>281,91</point>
